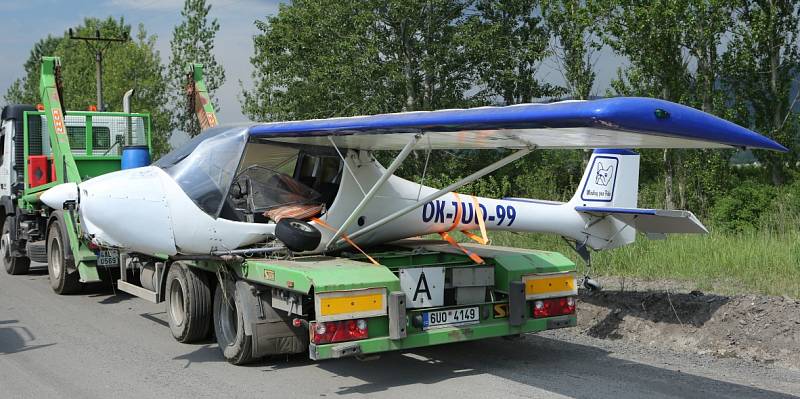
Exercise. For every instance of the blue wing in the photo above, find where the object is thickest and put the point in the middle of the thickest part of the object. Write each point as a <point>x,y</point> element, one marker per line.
<point>623,122</point>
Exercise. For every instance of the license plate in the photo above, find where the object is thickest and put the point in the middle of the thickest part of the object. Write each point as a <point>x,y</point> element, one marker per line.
<point>450,317</point>
<point>108,257</point>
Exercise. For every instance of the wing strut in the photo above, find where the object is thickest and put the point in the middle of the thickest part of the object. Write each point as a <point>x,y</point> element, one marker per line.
<point>469,179</point>
<point>377,186</point>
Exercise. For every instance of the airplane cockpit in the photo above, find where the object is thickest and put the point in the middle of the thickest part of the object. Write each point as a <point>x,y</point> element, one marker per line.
<point>233,176</point>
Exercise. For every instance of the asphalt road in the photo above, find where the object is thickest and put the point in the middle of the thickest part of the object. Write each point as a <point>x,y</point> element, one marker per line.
<point>100,345</point>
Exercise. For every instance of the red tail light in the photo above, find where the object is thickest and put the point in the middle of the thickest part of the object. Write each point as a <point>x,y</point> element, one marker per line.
<point>339,331</point>
<point>554,307</point>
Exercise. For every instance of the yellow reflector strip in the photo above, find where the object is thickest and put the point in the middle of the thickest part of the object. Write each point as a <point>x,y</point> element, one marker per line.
<point>351,304</point>
<point>543,286</point>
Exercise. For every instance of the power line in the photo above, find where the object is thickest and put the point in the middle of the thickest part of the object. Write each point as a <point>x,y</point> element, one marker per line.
<point>99,45</point>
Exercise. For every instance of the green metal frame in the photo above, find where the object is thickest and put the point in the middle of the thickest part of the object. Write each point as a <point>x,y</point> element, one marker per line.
<point>324,274</point>
<point>70,167</point>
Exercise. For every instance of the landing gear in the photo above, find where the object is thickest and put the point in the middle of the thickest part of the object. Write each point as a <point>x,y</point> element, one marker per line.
<point>583,251</point>
<point>297,235</point>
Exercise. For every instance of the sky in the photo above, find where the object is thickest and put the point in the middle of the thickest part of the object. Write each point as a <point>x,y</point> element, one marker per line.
<point>23,23</point>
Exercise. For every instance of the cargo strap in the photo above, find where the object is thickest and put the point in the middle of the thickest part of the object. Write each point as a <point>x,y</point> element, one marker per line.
<point>457,219</point>
<point>346,239</point>
<point>472,255</point>
<point>483,239</point>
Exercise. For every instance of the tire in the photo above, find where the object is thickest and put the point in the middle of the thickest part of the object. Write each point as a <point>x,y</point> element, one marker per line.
<point>235,345</point>
<point>13,265</point>
<point>188,303</point>
<point>59,263</point>
<point>297,235</point>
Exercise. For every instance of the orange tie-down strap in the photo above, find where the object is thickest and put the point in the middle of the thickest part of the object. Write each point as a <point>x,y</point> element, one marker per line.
<point>483,239</point>
<point>472,255</point>
<point>347,239</point>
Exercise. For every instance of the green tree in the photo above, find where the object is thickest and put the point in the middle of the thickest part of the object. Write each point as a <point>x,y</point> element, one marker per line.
<point>762,69</point>
<point>572,25</point>
<point>192,41</point>
<point>25,90</point>
<point>421,40</point>
<point>508,43</point>
<point>135,64</point>
<point>324,58</point>
<point>315,59</point>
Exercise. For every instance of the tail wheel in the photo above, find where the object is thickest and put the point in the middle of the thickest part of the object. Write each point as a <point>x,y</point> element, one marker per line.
<point>236,346</point>
<point>13,265</point>
<point>188,301</point>
<point>59,263</point>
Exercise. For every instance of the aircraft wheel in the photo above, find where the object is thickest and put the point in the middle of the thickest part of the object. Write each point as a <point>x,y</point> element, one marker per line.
<point>236,346</point>
<point>60,262</point>
<point>13,265</point>
<point>297,235</point>
<point>188,302</point>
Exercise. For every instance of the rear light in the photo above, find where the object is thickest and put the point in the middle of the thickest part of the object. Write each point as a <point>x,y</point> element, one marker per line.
<point>554,307</point>
<point>339,331</point>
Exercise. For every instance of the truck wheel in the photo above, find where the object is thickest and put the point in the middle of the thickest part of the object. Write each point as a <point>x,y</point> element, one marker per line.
<point>62,281</point>
<point>13,265</point>
<point>235,345</point>
<point>188,300</point>
<point>297,235</point>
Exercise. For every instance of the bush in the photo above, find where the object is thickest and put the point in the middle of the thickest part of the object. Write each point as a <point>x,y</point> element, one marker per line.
<point>743,207</point>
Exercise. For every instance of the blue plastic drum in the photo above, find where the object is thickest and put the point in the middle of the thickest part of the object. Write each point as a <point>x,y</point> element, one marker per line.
<point>135,156</point>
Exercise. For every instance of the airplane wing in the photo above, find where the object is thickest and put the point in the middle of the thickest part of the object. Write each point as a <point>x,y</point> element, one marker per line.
<point>623,122</point>
<point>655,222</point>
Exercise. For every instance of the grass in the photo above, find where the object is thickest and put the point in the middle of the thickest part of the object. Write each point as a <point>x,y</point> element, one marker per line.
<point>752,262</point>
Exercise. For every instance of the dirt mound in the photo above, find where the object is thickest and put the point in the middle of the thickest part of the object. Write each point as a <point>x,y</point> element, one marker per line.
<point>761,328</point>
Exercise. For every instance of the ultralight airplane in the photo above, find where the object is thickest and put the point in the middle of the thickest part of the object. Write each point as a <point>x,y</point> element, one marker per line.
<point>268,219</point>
<point>229,187</point>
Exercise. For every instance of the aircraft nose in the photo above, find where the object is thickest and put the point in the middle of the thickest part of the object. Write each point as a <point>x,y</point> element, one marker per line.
<point>56,196</point>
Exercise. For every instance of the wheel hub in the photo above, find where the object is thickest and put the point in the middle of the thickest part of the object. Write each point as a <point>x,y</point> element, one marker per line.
<point>54,257</point>
<point>5,247</point>
<point>177,308</point>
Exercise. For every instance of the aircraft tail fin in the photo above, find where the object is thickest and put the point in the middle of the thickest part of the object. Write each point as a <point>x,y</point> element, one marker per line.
<point>611,179</point>
<point>609,191</point>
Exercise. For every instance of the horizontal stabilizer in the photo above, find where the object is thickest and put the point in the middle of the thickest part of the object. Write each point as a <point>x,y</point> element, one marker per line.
<point>651,221</point>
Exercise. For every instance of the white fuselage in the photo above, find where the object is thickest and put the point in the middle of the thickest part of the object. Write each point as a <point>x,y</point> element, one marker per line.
<point>145,210</point>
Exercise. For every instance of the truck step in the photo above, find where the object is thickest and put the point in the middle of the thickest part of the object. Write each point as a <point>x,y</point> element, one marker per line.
<point>37,251</point>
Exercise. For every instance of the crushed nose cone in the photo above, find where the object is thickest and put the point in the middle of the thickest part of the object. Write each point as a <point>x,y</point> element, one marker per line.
<point>58,195</point>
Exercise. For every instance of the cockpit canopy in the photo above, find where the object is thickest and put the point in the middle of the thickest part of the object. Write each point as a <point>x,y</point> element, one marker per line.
<point>227,173</point>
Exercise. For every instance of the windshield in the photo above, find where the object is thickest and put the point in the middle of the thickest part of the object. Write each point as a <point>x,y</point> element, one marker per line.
<point>205,166</point>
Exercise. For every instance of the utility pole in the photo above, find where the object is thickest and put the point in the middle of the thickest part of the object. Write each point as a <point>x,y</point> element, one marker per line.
<point>99,45</point>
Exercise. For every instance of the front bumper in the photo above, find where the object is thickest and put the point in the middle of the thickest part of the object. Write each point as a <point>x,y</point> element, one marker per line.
<point>485,329</point>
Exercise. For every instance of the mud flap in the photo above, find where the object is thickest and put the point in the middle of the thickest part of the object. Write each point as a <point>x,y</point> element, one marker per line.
<point>517,314</point>
<point>272,331</point>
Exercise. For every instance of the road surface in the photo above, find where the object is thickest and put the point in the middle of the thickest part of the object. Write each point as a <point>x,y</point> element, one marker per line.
<point>101,345</point>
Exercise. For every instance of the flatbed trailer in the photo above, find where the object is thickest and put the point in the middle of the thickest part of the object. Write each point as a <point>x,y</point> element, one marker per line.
<point>417,293</point>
